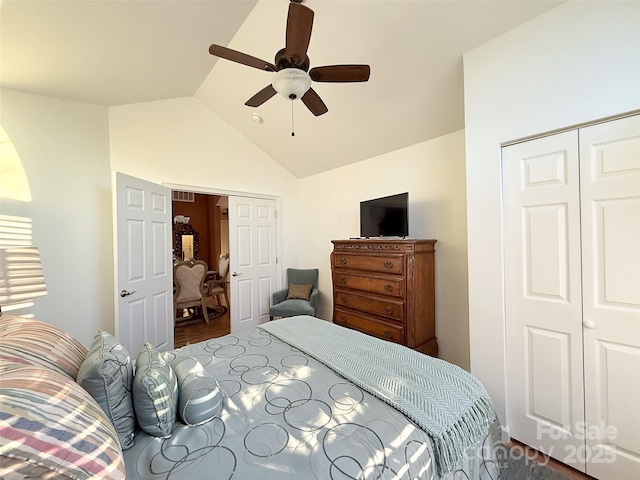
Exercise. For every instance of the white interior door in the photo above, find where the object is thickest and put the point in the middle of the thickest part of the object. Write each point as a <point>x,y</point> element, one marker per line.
<point>144,272</point>
<point>543,295</point>
<point>252,240</point>
<point>610,197</point>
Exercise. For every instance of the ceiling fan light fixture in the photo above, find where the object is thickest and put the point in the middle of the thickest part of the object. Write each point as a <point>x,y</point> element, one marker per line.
<point>291,83</point>
<point>291,79</point>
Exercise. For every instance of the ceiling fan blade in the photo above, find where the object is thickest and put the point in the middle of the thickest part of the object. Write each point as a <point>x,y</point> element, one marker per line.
<point>262,96</point>
<point>299,25</point>
<point>340,73</point>
<point>239,57</point>
<point>314,103</point>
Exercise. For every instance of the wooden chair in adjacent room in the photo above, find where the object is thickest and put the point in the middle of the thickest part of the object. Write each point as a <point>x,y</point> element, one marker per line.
<point>188,278</point>
<point>218,286</point>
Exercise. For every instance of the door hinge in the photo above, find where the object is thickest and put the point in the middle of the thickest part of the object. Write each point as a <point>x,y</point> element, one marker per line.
<point>276,260</point>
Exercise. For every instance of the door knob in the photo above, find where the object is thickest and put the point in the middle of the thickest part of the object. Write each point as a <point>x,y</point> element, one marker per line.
<point>589,324</point>
<point>235,274</point>
<point>125,293</point>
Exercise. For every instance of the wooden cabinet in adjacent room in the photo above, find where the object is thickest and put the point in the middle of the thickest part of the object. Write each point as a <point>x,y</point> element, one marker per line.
<point>386,288</point>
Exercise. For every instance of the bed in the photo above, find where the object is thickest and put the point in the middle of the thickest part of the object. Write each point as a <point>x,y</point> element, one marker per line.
<point>295,409</point>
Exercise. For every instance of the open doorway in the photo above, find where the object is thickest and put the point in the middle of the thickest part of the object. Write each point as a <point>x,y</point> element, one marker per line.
<point>201,232</point>
<point>143,224</point>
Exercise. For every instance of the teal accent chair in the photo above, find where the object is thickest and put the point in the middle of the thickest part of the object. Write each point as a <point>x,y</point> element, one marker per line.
<point>291,307</point>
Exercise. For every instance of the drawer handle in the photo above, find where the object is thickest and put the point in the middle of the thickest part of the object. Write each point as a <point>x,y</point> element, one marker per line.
<point>388,310</point>
<point>388,287</point>
<point>388,265</point>
<point>343,300</point>
<point>343,280</point>
<point>343,261</point>
<point>343,320</point>
<point>388,334</point>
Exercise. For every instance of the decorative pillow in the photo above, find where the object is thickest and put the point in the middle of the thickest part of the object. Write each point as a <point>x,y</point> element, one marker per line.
<point>155,393</point>
<point>32,342</point>
<point>199,396</point>
<point>52,428</point>
<point>106,374</point>
<point>302,292</point>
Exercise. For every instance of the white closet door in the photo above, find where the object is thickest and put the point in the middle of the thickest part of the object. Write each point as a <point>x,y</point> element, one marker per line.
<point>543,295</point>
<point>610,190</point>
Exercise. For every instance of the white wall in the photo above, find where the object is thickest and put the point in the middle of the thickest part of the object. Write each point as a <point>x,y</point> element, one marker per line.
<point>64,148</point>
<point>433,174</point>
<point>577,63</point>
<point>65,151</point>
<point>180,141</point>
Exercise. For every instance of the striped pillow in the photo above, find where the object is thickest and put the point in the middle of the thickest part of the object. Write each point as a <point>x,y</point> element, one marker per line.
<point>155,393</point>
<point>32,342</point>
<point>51,428</point>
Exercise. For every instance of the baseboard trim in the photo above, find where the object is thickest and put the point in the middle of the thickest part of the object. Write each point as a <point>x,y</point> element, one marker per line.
<point>505,436</point>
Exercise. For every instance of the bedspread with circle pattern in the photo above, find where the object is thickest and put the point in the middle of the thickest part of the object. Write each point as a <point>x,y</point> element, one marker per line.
<point>287,416</point>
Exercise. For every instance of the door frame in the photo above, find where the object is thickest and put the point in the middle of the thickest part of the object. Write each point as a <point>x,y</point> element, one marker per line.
<point>239,193</point>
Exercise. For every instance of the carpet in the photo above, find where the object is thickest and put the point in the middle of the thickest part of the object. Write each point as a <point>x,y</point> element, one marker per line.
<point>520,469</point>
<point>215,311</point>
<point>516,466</point>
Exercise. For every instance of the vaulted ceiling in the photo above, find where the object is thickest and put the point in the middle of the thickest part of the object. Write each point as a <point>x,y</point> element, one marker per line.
<point>115,52</point>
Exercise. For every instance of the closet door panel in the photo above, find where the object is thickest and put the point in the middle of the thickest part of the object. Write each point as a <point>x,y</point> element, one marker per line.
<point>610,207</point>
<point>543,294</point>
<point>548,362</point>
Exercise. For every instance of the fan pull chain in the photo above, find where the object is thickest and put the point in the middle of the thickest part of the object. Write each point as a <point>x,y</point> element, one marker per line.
<point>292,132</point>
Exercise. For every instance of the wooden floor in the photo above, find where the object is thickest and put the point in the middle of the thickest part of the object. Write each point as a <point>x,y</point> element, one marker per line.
<point>552,464</point>
<point>197,330</point>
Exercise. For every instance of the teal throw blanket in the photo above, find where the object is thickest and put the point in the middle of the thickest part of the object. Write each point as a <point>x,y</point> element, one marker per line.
<point>447,402</point>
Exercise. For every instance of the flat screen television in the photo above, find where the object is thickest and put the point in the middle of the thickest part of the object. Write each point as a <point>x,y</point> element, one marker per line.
<point>385,217</point>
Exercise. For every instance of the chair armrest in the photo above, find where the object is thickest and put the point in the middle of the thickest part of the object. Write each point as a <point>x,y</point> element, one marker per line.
<point>313,298</point>
<point>209,284</point>
<point>280,296</point>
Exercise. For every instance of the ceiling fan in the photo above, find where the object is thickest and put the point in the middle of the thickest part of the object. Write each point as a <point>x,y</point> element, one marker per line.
<point>291,65</point>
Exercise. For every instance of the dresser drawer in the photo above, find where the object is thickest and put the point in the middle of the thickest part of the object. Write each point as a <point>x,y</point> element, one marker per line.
<point>371,263</point>
<point>385,331</point>
<point>392,309</point>
<point>393,286</point>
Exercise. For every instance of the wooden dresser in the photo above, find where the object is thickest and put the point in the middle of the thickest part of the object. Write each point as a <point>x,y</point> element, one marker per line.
<point>386,288</point>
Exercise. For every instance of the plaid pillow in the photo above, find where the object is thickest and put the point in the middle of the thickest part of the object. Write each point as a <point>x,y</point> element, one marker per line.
<point>52,428</point>
<point>32,342</point>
